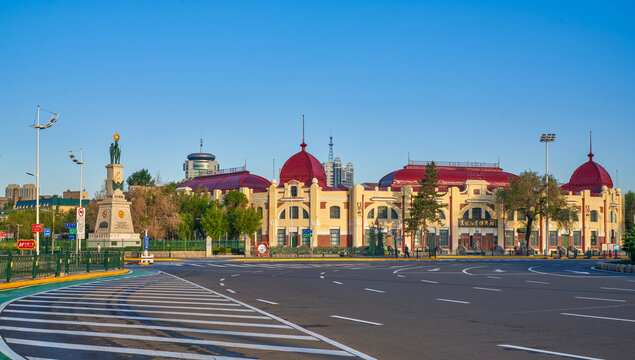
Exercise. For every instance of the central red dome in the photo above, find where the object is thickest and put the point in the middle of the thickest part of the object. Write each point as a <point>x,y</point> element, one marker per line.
<point>303,167</point>
<point>589,176</point>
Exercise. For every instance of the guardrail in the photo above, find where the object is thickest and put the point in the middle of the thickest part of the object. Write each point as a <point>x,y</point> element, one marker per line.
<point>63,262</point>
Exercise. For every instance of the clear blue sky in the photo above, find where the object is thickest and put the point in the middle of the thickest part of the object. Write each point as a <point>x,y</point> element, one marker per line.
<point>441,80</point>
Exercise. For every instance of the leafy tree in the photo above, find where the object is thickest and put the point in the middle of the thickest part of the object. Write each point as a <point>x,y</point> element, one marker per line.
<point>214,222</point>
<point>156,209</point>
<point>528,194</point>
<point>629,244</point>
<point>243,221</point>
<point>234,199</point>
<point>425,209</point>
<point>196,206</point>
<point>141,177</point>
<point>629,206</point>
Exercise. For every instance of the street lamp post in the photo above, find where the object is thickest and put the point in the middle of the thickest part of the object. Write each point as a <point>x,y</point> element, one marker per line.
<point>79,162</point>
<point>39,127</point>
<point>547,138</point>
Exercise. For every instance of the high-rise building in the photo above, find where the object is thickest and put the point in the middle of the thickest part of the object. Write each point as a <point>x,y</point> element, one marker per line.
<point>200,163</point>
<point>336,174</point>
<point>16,192</point>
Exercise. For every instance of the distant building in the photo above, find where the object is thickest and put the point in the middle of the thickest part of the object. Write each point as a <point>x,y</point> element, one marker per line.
<point>336,174</point>
<point>74,195</point>
<point>16,192</point>
<point>52,203</point>
<point>200,163</point>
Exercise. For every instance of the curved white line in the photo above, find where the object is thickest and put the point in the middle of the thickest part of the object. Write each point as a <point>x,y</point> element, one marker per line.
<point>564,275</point>
<point>465,271</point>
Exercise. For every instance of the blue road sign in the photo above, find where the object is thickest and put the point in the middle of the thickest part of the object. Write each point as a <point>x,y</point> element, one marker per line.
<point>146,243</point>
<point>47,232</point>
<point>307,231</point>
<point>71,237</point>
<point>70,225</point>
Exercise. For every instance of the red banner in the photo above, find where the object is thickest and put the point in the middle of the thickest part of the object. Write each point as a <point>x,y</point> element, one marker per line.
<point>26,244</point>
<point>36,227</point>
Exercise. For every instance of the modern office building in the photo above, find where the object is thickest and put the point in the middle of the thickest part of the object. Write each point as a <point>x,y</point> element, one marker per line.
<point>198,164</point>
<point>336,174</point>
<point>16,192</point>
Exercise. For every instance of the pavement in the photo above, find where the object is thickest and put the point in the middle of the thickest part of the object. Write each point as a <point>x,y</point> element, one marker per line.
<point>439,309</point>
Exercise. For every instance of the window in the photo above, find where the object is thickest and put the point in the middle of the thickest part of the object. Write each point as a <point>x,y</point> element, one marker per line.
<point>577,238</point>
<point>466,215</point>
<point>510,216</point>
<point>371,214</point>
<point>509,238</point>
<point>477,213</point>
<point>294,212</point>
<point>594,238</point>
<point>335,212</point>
<point>594,216</point>
<point>294,191</point>
<point>282,237</point>
<point>335,237</point>
<point>418,237</point>
<point>613,217</point>
<point>382,212</point>
<point>393,214</point>
<point>305,214</point>
<point>553,238</point>
<point>522,216</point>
<point>260,212</point>
<point>283,214</point>
<point>533,238</point>
<point>259,235</point>
<point>487,215</point>
<point>441,215</point>
<point>444,238</point>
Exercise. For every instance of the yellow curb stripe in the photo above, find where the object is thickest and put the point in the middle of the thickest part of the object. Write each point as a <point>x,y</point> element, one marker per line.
<point>399,259</point>
<point>139,259</point>
<point>59,279</point>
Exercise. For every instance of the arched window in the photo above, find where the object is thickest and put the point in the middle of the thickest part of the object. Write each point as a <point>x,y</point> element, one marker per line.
<point>382,212</point>
<point>466,214</point>
<point>477,213</point>
<point>487,215</point>
<point>393,214</point>
<point>510,215</point>
<point>260,212</point>
<point>594,216</point>
<point>335,212</point>
<point>283,214</point>
<point>294,212</point>
<point>294,191</point>
<point>613,217</point>
<point>305,214</point>
<point>371,214</point>
<point>441,215</point>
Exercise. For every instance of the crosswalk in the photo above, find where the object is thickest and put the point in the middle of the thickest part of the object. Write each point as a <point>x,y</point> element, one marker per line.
<point>273,266</point>
<point>158,315</point>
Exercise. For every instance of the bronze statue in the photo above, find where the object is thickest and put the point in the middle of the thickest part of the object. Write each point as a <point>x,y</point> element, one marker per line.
<point>115,152</point>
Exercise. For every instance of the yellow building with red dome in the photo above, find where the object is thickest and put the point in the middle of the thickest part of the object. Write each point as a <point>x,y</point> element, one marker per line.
<point>355,216</point>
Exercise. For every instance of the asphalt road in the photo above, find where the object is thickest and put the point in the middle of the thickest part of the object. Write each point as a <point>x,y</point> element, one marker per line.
<point>446,309</point>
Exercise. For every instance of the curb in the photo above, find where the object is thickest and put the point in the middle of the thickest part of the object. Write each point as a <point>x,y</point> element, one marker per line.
<point>622,268</point>
<point>139,259</point>
<point>402,259</point>
<point>23,283</point>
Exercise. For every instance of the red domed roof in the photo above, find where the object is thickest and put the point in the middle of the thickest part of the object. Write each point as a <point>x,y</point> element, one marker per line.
<point>229,181</point>
<point>589,176</point>
<point>303,167</point>
<point>448,176</point>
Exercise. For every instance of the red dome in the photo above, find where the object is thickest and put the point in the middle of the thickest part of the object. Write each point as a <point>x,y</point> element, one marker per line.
<point>303,167</point>
<point>589,176</point>
<point>229,181</point>
<point>448,176</point>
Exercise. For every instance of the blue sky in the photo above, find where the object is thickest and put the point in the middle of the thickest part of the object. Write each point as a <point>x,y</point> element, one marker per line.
<point>441,80</point>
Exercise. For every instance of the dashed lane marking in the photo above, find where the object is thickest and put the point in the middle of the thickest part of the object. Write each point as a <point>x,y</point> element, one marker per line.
<point>374,290</point>
<point>337,282</point>
<point>494,277</point>
<point>620,289</point>
<point>599,299</point>
<point>486,289</point>
<point>267,302</point>
<point>537,282</point>
<point>540,351</point>
<point>430,281</point>
<point>401,276</point>
<point>598,317</point>
<point>357,320</point>
<point>454,301</point>
<point>231,291</point>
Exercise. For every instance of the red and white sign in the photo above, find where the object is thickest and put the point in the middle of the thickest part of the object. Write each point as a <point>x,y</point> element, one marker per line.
<point>81,212</point>
<point>26,244</point>
<point>262,249</point>
<point>81,223</point>
<point>3,235</point>
<point>36,227</point>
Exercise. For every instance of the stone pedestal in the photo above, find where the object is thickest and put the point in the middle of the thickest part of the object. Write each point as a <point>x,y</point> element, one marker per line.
<point>113,228</point>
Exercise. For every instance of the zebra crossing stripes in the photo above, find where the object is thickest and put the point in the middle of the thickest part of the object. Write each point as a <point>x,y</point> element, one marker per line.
<point>138,318</point>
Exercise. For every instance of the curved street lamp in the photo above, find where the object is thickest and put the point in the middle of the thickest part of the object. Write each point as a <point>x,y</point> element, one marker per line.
<point>79,162</point>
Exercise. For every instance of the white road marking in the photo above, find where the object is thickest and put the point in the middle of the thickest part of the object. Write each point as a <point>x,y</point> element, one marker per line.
<point>322,273</point>
<point>119,350</point>
<point>406,268</point>
<point>337,282</point>
<point>131,293</point>
<point>599,317</point>
<point>610,288</point>
<point>494,277</point>
<point>231,291</point>
<point>157,327</point>
<point>374,290</point>
<point>44,296</point>
<point>487,289</point>
<point>138,311</point>
<point>267,301</point>
<point>591,298</point>
<point>465,271</point>
<point>499,270</point>
<point>145,318</point>
<point>197,265</point>
<point>435,269</point>
<point>547,352</point>
<point>454,301</point>
<point>357,320</point>
<point>578,272</point>
<point>133,305</point>
<point>321,277</point>
<point>223,279</point>
<point>235,275</point>
<point>400,275</point>
<point>430,281</point>
<point>537,282</point>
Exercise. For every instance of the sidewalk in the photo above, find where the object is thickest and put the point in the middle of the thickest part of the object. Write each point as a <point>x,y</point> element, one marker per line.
<point>53,279</point>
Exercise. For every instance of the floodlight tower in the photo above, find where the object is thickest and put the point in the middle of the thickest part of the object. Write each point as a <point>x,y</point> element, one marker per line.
<point>547,138</point>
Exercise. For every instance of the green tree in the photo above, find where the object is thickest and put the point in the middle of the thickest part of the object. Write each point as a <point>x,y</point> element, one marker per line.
<point>628,244</point>
<point>425,209</point>
<point>235,199</point>
<point>629,206</point>
<point>215,222</point>
<point>243,221</point>
<point>528,194</point>
<point>195,206</point>
<point>141,177</point>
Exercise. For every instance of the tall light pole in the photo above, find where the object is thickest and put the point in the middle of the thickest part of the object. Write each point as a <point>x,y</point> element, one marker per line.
<point>39,127</point>
<point>79,162</point>
<point>547,138</point>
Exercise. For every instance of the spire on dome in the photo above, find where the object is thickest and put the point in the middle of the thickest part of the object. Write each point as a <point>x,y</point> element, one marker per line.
<point>590,147</point>
<point>303,145</point>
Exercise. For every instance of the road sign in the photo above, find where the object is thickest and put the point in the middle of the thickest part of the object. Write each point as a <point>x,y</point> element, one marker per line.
<point>3,235</point>
<point>146,243</point>
<point>26,244</point>
<point>81,223</point>
<point>307,235</point>
<point>70,225</point>
<point>36,227</point>
<point>71,237</point>
<point>81,212</point>
<point>47,232</point>
<point>307,231</point>
<point>72,231</point>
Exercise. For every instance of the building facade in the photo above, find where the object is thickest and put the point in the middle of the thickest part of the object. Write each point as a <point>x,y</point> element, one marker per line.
<point>338,175</point>
<point>16,192</point>
<point>199,164</point>
<point>358,215</point>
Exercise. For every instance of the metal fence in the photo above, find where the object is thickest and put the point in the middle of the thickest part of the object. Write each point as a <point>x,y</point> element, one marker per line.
<point>235,246</point>
<point>32,266</point>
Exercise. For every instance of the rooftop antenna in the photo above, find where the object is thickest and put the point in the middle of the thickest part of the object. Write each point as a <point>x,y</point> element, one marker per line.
<point>303,143</point>
<point>331,148</point>
<point>498,163</point>
<point>201,144</point>
<point>408,157</point>
<point>590,146</point>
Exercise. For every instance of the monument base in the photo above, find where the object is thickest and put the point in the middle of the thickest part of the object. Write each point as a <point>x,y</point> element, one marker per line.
<point>113,240</point>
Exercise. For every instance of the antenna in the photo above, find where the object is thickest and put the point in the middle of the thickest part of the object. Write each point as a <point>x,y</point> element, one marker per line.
<point>590,146</point>
<point>201,144</point>
<point>303,145</point>
<point>331,148</point>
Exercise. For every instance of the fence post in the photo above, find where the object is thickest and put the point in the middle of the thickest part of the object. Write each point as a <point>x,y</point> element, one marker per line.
<point>88,261</point>
<point>67,258</point>
<point>58,266</point>
<point>122,260</point>
<point>34,265</point>
<point>106,258</point>
<point>9,266</point>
